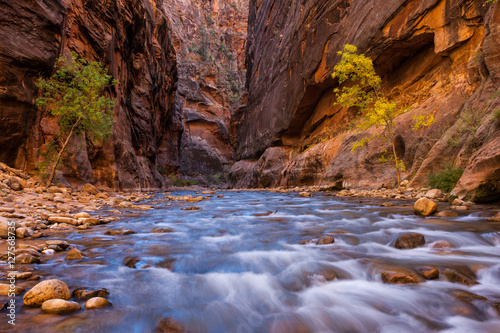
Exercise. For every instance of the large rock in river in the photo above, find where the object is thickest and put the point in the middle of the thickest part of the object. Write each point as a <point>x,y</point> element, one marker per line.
<point>45,290</point>
<point>424,207</point>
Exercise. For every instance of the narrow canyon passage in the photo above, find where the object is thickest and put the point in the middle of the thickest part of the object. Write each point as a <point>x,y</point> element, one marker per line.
<point>251,262</point>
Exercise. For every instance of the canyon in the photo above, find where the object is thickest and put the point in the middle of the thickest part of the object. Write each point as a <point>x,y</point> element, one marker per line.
<point>244,88</point>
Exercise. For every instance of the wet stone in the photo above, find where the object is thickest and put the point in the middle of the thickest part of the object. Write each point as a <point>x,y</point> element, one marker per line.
<point>162,230</point>
<point>131,261</point>
<point>87,293</point>
<point>447,213</point>
<point>97,303</point>
<point>410,241</point>
<point>456,277</point>
<point>429,273</point>
<point>62,244</point>
<point>467,297</point>
<point>74,254</point>
<point>325,240</point>
<point>168,325</point>
<point>400,276</point>
<point>5,289</point>
<point>60,306</point>
<point>55,248</point>
<point>45,290</point>
<point>424,207</point>
<point>120,231</point>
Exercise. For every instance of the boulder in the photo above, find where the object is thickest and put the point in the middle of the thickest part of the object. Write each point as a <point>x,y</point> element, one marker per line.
<point>425,207</point>
<point>60,306</point>
<point>89,189</point>
<point>54,189</point>
<point>410,241</point>
<point>46,290</point>
<point>96,303</point>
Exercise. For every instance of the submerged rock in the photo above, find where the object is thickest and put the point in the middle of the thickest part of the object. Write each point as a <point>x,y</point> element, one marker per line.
<point>45,290</point>
<point>456,277</point>
<point>410,241</point>
<point>400,276</point>
<point>87,293</point>
<point>325,240</point>
<point>119,231</point>
<point>168,325</point>
<point>429,273</point>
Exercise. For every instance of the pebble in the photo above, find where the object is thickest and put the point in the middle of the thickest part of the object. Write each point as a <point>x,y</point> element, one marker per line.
<point>96,303</point>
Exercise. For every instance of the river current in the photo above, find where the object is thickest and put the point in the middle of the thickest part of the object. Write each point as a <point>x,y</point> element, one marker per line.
<point>243,263</point>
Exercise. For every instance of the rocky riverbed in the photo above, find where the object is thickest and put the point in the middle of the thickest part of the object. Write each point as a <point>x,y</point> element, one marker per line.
<point>78,253</point>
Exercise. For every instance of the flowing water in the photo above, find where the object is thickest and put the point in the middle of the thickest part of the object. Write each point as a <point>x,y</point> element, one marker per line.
<point>236,265</point>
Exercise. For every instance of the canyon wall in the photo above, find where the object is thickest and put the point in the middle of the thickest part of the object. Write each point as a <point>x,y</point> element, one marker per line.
<point>209,38</point>
<point>133,40</point>
<point>436,57</point>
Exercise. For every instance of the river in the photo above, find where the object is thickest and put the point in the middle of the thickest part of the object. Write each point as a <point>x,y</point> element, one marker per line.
<point>238,265</point>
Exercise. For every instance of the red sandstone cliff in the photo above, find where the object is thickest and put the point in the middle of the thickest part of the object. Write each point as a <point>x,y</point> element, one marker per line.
<point>439,57</point>
<point>209,39</point>
<point>132,38</point>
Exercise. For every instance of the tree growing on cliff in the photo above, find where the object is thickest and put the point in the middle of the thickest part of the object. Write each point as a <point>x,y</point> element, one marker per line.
<point>363,89</point>
<point>75,95</point>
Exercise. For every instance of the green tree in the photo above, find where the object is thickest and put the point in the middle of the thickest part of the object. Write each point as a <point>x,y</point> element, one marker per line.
<point>363,89</point>
<point>74,94</point>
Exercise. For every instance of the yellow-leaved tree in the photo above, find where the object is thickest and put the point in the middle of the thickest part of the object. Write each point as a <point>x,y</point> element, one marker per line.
<point>363,89</point>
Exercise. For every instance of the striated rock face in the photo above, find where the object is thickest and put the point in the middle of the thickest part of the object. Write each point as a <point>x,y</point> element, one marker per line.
<point>436,57</point>
<point>132,39</point>
<point>209,38</point>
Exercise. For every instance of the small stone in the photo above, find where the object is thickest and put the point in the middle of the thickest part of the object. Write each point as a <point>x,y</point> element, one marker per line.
<point>441,244</point>
<point>62,219</point>
<point>131,261</point>
<point>400,276</point>
<point>456,277</point>
<point>96,303</point>
<point>45,290</point>
<point>25,258</point>
<point>434,194</point>
<point>457,202</point>
<point>22,232</point>
<point>91,220</point>
<point>459,207</point>
<point>5,289</point>
<point>191,208</point>
<point>388,204</point>
<point>469,203</point>
<point>410,241</point>
<point>87,293</point>
<point>168,325</point>
<point>54,189</point>
<point>62,244</point>
<point>162,230</point>
<point>305,194</point>
<point>220,196</point>
<point>447,213</point>
<point>468,297</point>
<point>60,306</point>
<point>325,240</point>
<point>23,275</point>
<point>424,207</point>
<point>81,215</point>
<point>74,254</point>
<point>119,231</point>
<point>429,273</point>
<point>55,248</point>
<point>89,189</point>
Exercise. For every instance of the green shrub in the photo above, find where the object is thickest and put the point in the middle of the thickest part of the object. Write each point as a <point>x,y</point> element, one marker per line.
<point>447,179</point>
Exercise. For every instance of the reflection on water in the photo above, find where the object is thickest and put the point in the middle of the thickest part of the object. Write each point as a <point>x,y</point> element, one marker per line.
<point>237,266</point>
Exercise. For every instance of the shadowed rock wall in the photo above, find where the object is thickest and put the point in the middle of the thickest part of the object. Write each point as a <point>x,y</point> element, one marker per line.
<point>132,39</point>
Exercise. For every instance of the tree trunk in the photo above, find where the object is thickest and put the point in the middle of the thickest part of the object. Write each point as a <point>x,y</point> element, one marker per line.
<point>54,167</point>
<point>397,162</point>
